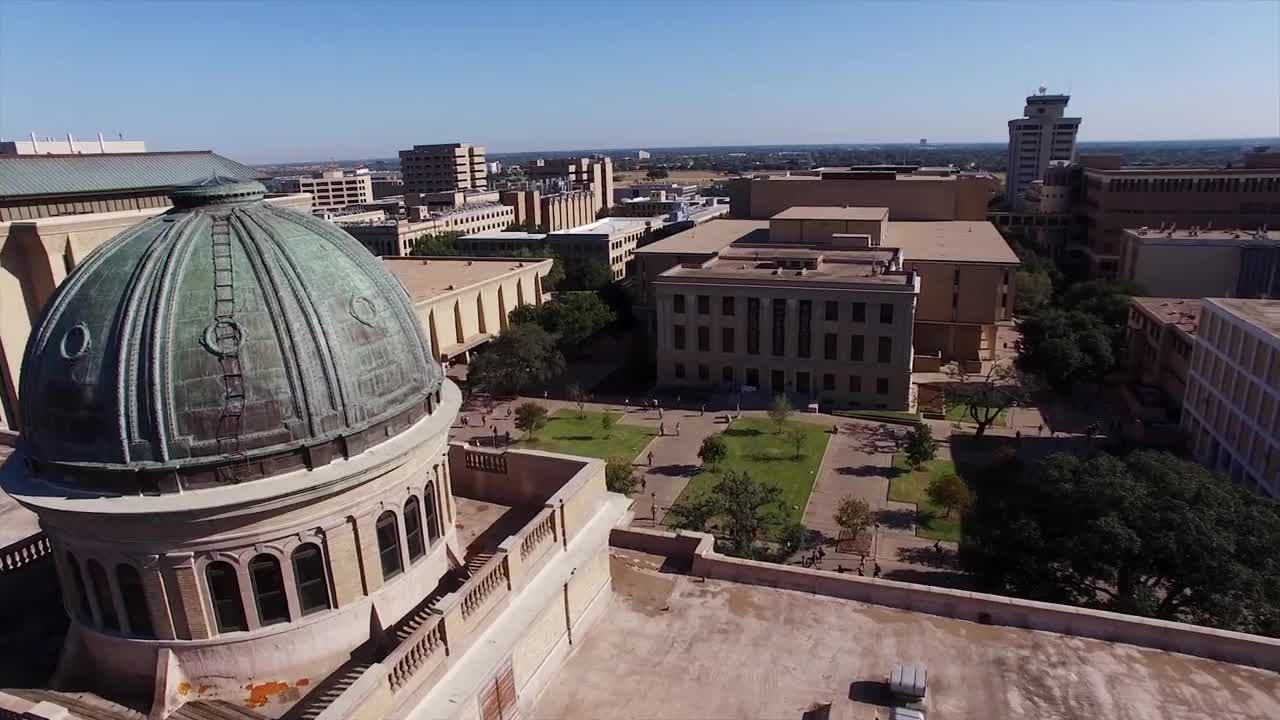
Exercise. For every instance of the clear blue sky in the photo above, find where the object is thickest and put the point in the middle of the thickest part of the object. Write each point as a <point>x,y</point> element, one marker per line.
<point>284,81</point>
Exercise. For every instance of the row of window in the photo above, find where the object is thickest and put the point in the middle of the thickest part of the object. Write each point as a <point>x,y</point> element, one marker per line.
<point>830,344</point>
<point>778,380</point>
<point>1211,184</point>
<point>831,308</point>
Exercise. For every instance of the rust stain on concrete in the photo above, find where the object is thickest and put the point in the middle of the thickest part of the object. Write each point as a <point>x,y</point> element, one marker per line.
<point>184,688</point>
<point>261,693</point>
<point>303,682</point>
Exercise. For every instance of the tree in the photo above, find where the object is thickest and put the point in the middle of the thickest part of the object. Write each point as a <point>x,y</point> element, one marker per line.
<point>796,438</point>
<point>795,537</point>
<point>985,395</point>
<point>530,418</point>
<point>853,515</point>
<point>619,476</point>
<point>573,317</point>
<point>607,421</point>
<point>714,450</point>
<point>522,355</point>
<point>1148,533</point>
<point>780,411</point>
<point>526,314</point>
<point>743,507</point>
<point>919,445</point>
<point>437,244</point>
<point>555,276</point>
<point>658,174</point>
<point>1065,346</point>
<point>578,397</point>
<point>586,274</point>
<point>950,492</point>
<point>1033,291</point>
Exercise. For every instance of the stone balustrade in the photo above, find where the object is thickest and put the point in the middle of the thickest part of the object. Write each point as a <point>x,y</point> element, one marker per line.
<point>490,583</point>
<point>24,552</point>
<point>487,461</point>
<point>540,532</point>
<point>427,646</point>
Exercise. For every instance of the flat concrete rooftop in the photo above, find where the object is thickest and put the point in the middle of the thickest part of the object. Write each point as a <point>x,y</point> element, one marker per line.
<point>675,647</point>
<point>1183,313</point>
<point>1186,236</point>
<point>710,237</point>
<point>950,241</point>
<point>425,278</point>
<point>1263,314</point>
<point>802,212</point>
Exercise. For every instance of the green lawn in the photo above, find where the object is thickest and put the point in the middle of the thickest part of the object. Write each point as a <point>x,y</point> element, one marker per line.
<point>908,485</point>
<point>755,447</point>
<point>568,432</point>
<point>960,413</point>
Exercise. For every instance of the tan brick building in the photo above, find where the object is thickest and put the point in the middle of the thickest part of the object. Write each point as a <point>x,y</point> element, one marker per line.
<point>909,194</point>
<point>336,188</point>
<point>1159,340</point>
<point>436,168</point>
<point>1196,263</point>
<point>1232,409</point>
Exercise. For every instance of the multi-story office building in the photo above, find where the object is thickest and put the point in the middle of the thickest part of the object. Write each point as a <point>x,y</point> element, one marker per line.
<point>447,167</point>
<point>552,212</point>
<point>1159,340</point>
<point>673,190</point>
<point>71,146</point>
<point>611,241</point>
<point>1196,263</point>
<point>386,184</point>
<point>396,236</point>
<point>1041,138</point>
<point>910,192</point>
<point>1232,409</point>
<point>589,173</point>
<point>965,269</point>
<point>334,189</point>
<point>824,324</point>
<point>1116,197</point>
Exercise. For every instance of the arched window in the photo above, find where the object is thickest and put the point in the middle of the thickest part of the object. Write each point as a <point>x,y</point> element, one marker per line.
<point>309,573</point>
<point>268,589</point>
<point>224,589</point>
<point>135,601</point>
<point>102,593</point>
<point>433,521</point>
<point>77,578</point>
<point>389,545</point>
<point>413,529</point>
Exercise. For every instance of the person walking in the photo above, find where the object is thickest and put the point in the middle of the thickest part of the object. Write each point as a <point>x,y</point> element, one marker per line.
<point>704,410</point>
<point>677,429</point>
<point>662,429</point>
<point>875,572</point>
<point>644,481</point>
<point>650,458</point>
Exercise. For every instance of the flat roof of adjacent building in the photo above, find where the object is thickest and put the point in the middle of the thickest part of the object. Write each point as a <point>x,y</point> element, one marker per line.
<point>975,241</point>
<point>505,235</point>
<point>682,648</point>
<point>710,237</point>
<point>1190,236</point>
<point>609,226</point>
<point>805,212</point>
<point>425,278</point>
<point>1262,314</point>
<point>1184,313</point>
<point>762,264</point>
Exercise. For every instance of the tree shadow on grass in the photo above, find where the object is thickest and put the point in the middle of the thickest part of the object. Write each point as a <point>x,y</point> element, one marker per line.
<point>864,471</point>
<point>766,457</point>
<point>742,432</point>
<point>575,438</point>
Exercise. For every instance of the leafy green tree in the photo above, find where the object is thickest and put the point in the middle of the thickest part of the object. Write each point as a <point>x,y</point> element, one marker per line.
<point>578,397</point>
<point>1148,533</point>
<point>796,438</point>
<point>1033,290</point>
<point>575,316</point>
<point>780,411</point>
<point>949,491</point>
<point>853,515</point>
<point>530,418</point>
<point>742,507</point>
<point>438,244</point>
<point>585,274</point>
<point>619,476</point>
<point>526,313</point>
<point>714,450</point>
<point>985,395</point>
<point>658,174</point>
<point>523,355</point>
<point>555,276</point>
<point>796,537</point>
<point>919,445</point>
<point>1066,346</point>
<point>607,423</point>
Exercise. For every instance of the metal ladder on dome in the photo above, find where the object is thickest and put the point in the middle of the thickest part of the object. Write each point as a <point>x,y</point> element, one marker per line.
<point>227,338</point>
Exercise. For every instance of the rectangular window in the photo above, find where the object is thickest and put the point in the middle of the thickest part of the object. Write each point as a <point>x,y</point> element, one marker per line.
<point>828,382</point>
<point>753,377</point>
<point>859,312</point>
<point>678,303</point>
<point>704,372</point>
<point>704,338</point>
<point>829,346</point>
<point>803,337</point>
<point>779,327</point>
<point>726,374</point>
<point>680,370</point>
<point>886,314</point>
<point>678,338</point>
<point>882,386</point>
<point>726,340</point>
<point>884,349</point>
<point>832,312</point>
<point>704,304</point>
<point>855,383</point>
<point>777,382</point>
<point>753,326</point>
<point>855,348</point>
<point>802,382</point>
<point>728,305</point>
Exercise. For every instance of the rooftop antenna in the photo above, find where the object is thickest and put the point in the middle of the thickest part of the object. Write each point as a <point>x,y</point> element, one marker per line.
<point>1043,89</point>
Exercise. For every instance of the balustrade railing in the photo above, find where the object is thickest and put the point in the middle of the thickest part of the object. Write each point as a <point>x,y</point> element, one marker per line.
<point>486,461</point>
<point>427,643</point>
<point>488,581</point>
<point>539,535</point>
<point>24,552</point>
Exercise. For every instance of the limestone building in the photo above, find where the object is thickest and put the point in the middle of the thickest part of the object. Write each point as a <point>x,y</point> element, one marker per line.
<point>594,174</point>
<point>1159,339</point>
<point>442,168</point>
<point>1231,413</point>
<point>1195,263</point>
<point>612,242</point>
<point>236,442</point>
<point>1038,140</point>
<point>396,235</point>
<point>336,188</point>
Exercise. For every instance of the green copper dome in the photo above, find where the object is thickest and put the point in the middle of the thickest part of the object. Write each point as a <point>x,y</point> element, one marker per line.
<point>226,340</point>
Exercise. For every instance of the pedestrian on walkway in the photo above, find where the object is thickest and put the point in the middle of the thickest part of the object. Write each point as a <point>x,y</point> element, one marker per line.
<point>937,547</point>
<point>704,409</point>
<point>1018,437</point>
<point>1042,428</point>
<point>662,429</point>
<point>677,401</point>
<point>626,403</point>
<point>677,429</point>
<point>659,413</point>
<point>495,434</point>
<point>508,437</point>
<point>644,481</point>
<point>465,422</point>
<point>650,458</point>
<point>875,573</point>
<point>860,571</point>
